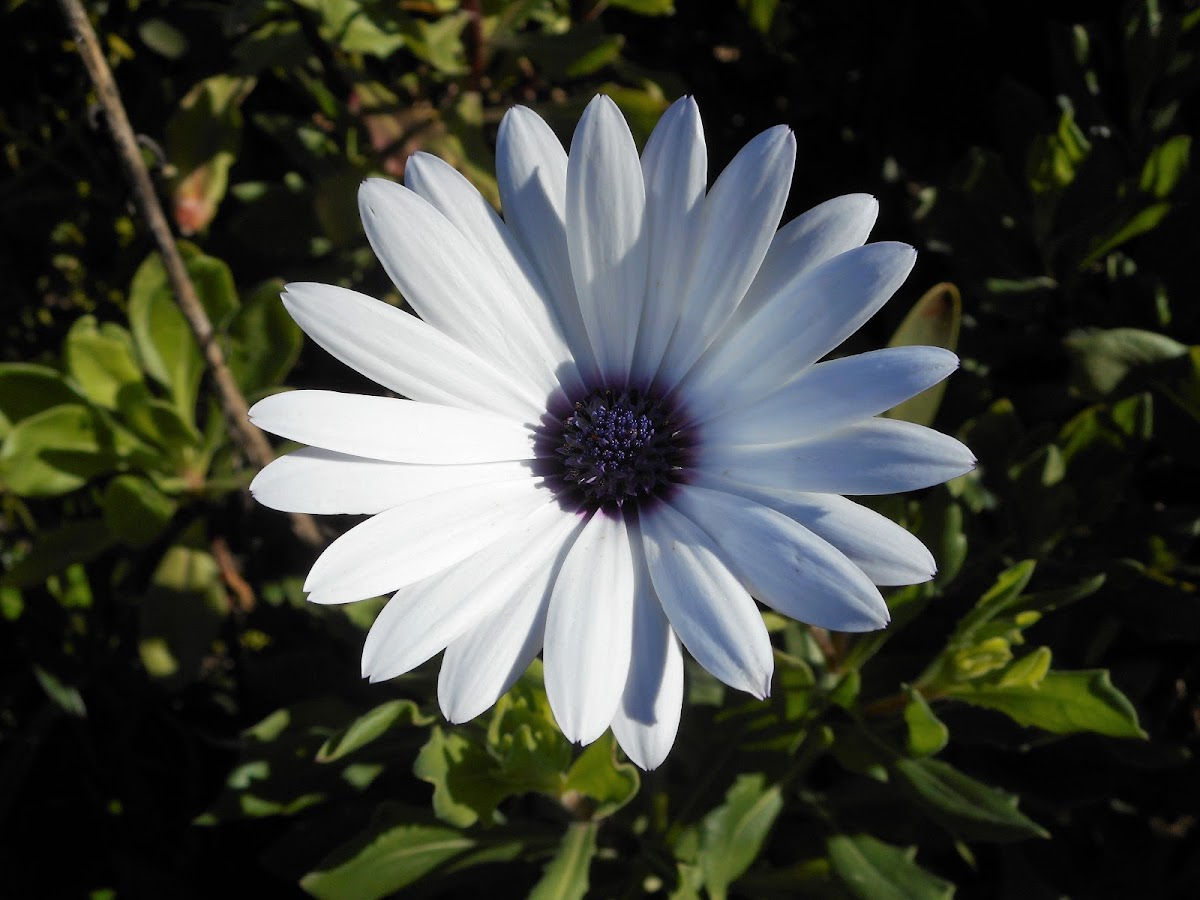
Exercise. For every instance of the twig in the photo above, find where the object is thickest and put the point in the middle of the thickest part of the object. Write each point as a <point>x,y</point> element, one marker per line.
<point>252,442</point>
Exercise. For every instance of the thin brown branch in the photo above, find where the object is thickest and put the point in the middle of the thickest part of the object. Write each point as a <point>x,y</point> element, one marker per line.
<point>252,442</point>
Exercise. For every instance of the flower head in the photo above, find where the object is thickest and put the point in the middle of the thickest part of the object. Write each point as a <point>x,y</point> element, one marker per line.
<point>617,435</point>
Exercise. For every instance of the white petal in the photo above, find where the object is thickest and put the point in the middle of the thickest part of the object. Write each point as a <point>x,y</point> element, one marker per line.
<point>417,539</point>
<point>887,553</point>
<point>826,230</point>
<point>457,199</point>
<point>783,564</point>
<point>606,236</point>
<point>589,629</point>
<point>420,620</point>
<point>323,482</point>
<point>531,169</point>
<point>400,352</point>
<point>807,318</point>
<point>390,429</point>
<point>647,718</point>
<point>739,219</point>
<point>709,609</point>
<point>675,168</point>
<point>832,395</point>
<point>490,656</point>
<point>449,282</point>
<point>879,456</point>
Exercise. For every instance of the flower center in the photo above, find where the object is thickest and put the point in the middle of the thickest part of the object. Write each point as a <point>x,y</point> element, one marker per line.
<point>616,447</point>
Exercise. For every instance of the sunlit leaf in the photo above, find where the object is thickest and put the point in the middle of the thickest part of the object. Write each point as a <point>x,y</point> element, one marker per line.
<point>1061,702</point>
<point>56,451</point>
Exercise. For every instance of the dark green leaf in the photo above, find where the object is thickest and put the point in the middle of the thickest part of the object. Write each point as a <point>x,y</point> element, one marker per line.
<point>967,808</point>
<point>934,321</point>
<point>873,870</point>
<point>65,696</point>
<point>181,615</point>
<point>566,875</point>
<point>369,726</point>
<point>135,511</point>
<point>733,834</point>
<point>26,389</point>
<point>53,551</point>
<point>392,860</point>
<point>1102,359</point>
<point>265,341</point>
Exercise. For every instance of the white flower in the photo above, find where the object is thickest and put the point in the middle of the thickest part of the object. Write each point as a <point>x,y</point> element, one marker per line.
<point>618,435</point>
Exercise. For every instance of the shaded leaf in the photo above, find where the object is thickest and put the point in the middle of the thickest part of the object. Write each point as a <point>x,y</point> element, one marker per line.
<point>369,726</point>
<point>873,870</point>
<point>933,321</point>
<point>733,834</point>
<point>53,551</point>
<point>26,389</point>
<point>967,808</point>
<point>566,875</point>
<point>135,511</point>
<point>393,859</point>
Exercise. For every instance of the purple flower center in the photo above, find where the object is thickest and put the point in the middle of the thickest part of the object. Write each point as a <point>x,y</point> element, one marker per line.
<point>616,447</point>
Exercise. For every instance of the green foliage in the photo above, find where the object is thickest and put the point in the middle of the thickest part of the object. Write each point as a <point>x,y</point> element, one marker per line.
<point>183,720</point>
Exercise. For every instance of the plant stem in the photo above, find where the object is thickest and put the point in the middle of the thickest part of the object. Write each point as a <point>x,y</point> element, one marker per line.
<point>253,443</point>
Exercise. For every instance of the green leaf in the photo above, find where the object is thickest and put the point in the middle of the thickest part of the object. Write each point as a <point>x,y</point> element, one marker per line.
<point>1144,220</point>
<point>597,775</point>
<point>357,27</point>
<point>999,597</point>
<point>26,389</point>
<point>53,551</point>
<point>202,141</point>
<point>1102,359</point>
<point>265,341</point>
<point>66,697</point>
<point>927,734</point>
<point>733,834</point>
<point>934,321</point>
<point>392,860</point>
<point>164,340</point>
<point>163,38</point>
<point>463,775</point>
<point>646,7</point>
<point>1165,166</point>
<point>369,726</point>
<point>761,13</point>
<point>872,870</point>
<point>135,511</point>
<point>566,875</point>
<point>967,808</point>
<point>56,451</point>
<point>181,615</point>
<point>101,361</point>
<point>1061,703</point>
